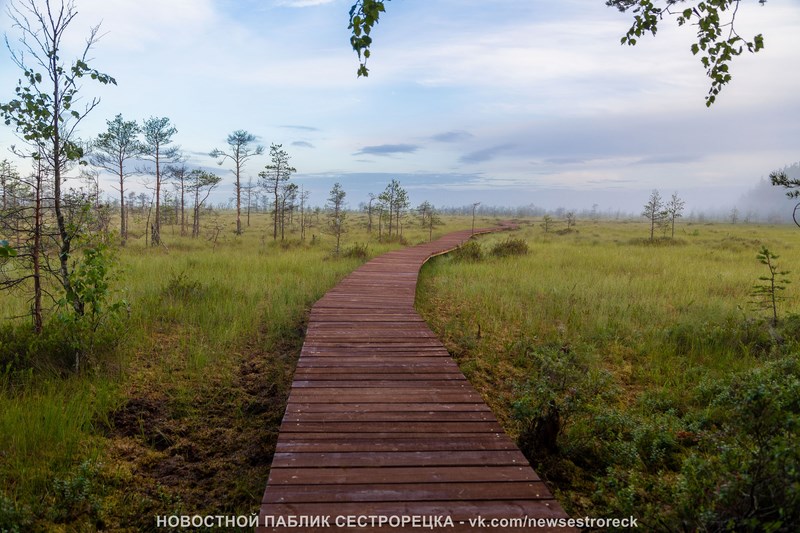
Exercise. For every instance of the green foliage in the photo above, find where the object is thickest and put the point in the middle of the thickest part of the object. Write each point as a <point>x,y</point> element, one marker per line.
<point>13,519</point>
<point>739,335</point>
<point>182,289</point>
<point>717,40</point>
<point>36,112</point>
<point>90,282</point>
<point>21,350</point>
<point>782,179</point>
<point>428,217</point>
<point>547,223</point>
<point>89,314</point>
<point>746,474</point>
<point>470,251</point>
<point>78,496</point>
<point>337,215</point>
<point>364,15</point>
<point>510,246</point>
<point>655,212</point>
<point>357,251</point>
<point>656,242</point>
<point>272,178</point>
<point>239,142</point>
<point>769,293</point>
<point>560,383</point>
<point>6,250</point>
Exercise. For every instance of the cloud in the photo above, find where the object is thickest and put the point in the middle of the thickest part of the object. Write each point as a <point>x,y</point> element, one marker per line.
<point>487,154</point>
<point>303,144</point>
<point>301,128</point>
<point>388,149</point>
<point>452,136</point>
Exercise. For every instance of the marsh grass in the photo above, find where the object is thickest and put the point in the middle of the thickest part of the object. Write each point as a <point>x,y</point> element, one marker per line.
<point>595,349</point>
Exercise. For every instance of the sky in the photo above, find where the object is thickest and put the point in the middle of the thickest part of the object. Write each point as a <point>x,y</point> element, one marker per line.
<point>508,102</point>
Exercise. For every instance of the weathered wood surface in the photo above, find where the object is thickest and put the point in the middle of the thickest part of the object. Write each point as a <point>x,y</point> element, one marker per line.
<point>381,422</point>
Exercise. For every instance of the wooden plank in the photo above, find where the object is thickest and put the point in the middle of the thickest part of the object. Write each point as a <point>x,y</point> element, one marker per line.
<point>383,442</point>
<point>416,382</point>
<point>460,426</point>
<point>420,458</point>
<point>402,407</point>
<point>408,474</point>
<point>371,416</point>
<point>422,492</point>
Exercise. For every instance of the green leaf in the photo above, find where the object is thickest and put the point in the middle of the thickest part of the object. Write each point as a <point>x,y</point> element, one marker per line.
<point>6,250</point>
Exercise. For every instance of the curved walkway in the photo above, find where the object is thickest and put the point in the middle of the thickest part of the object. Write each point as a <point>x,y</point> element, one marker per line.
<point>381,422</point>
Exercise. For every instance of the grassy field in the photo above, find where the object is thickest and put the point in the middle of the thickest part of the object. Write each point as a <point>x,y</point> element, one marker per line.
<point>178,413</point>
<point>636,376</point>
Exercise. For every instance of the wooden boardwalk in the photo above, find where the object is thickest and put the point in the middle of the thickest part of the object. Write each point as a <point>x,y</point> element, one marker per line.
<point>381,422</point>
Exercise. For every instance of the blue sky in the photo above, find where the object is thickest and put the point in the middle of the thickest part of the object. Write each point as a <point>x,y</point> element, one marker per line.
<point>504,102</point>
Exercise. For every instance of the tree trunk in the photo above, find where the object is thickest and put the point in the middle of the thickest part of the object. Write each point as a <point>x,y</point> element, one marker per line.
<point>238,202</point>
<point>37,246</point>
<point>123,228</point>
<point>66,239</point>
<point>156,226</point>
<point>275,214</point>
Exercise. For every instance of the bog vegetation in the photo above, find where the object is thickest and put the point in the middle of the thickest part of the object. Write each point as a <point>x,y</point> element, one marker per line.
<point>661,382</point>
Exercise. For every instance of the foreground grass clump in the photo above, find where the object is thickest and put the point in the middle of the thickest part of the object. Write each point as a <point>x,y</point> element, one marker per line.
<point>638,379</point>
<point>179,412</point>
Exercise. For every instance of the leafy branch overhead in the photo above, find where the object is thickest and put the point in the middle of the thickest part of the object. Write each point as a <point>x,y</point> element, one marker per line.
<point>717,40</point>
<point>364,16</point>
<point>780,178</point>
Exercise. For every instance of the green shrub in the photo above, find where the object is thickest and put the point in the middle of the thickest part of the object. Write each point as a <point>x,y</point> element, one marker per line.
<point>53,350</point>
<point>747,476</point>
<point>399,239</point>
<point>357,251</point>
<point>77,497</point>
<point>12,518</point>
<point>566,231</point>
<point>656,242</point>
<point>738,335</point>
<point>509,247</point>
<point>179,287</point>
<point>470,251</point>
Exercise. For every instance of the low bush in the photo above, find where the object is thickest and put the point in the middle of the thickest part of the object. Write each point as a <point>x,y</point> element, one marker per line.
<point>357,251</point>
<point>54,350</point>
<point>77,497</point>
<point>12,518</point>
<point>509,247</point>
<point>180,288</point>
<point>658,241</point>
<point>470,251</point>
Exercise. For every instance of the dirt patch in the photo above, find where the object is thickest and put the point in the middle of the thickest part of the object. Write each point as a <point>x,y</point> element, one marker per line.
<point>198,446</point>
